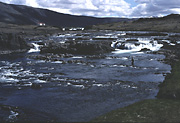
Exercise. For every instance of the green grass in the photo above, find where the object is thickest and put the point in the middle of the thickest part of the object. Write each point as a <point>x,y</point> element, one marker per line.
<point>158,25</point>
<point>157,110</point>
<point>170,88</point>
<point>27,29</point>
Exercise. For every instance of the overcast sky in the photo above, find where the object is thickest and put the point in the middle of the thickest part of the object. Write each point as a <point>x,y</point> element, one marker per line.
<point>106,8</point>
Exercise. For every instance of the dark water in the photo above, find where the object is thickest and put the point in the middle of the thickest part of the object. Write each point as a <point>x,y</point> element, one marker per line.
<point>80,87</point>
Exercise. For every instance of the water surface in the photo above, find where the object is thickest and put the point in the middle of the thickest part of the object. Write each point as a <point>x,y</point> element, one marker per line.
<point>80,87</point>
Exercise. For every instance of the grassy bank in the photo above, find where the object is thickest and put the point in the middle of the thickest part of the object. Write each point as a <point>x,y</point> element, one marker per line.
<point>160,26</point>
<point>27,30</point>
<point>168,23</point>
<point>170,88</point>
<point>166,108</point>
<point>157,110</point>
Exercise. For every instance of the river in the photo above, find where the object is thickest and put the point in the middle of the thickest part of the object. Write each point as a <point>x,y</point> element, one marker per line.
<point>79,88</point>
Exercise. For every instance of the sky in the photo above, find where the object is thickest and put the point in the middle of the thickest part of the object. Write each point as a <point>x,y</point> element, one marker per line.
<point>106,8</point>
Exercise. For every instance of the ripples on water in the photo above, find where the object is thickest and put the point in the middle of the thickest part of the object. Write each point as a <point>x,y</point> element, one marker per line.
<point>81,87</point>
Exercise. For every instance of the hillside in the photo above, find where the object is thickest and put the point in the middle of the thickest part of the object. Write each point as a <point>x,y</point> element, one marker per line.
<point>169,23</point>
<point>19,14</point>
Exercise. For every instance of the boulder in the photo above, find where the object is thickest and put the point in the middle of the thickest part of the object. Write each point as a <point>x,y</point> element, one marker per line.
<point>145,50</point>
<point>12,42</point>
<point>36,86</point>
<point>75,47</point>
<point>132,40</point>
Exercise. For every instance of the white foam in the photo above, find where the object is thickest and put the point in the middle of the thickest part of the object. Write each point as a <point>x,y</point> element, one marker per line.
<point>35,48</point>
<point>122,66</point>
<point>39,81</point>
<point>118,51</point>
<point>61,36</point>
<point>131,47</point>
<point>109,58</point>
<point>138,53</point>
<point>68,35</point>
<point>92,66</point>
<point>13,115</point>
<point>110,34</point>
<point>178,42</point>
<point>79,86</point>
<point>68,84</point>
<point>98,85</point>
<point>40,61</point>
<point>124,58</point>
<point>10,73</point>
<point>63,79</point>
<point>8,80</point>
<point>144,40</point>
<point>27,84</point>
<point>167,41</point>
<point>117,65</point>
<point>122,34</point>
<point>57,62</point>
<point>105,37</point>
<point>172,44</point>
<point>77,57</point>
<point>134,87</point>
<point>113,44</point>
<point>62,42</point>
<point>126,86</point>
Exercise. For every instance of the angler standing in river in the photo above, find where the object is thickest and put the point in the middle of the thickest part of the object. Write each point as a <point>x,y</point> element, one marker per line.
<point>132,61</point>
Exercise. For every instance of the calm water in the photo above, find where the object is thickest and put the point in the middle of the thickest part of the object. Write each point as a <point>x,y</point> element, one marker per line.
<point>80,87</point>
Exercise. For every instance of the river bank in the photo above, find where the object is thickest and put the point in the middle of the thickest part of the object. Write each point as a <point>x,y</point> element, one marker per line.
<point>15,38</point>
<point>169,23</point>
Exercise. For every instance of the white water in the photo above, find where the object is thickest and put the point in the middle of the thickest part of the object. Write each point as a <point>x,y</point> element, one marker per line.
<point>12,116</point>
<point>132,47</point>
<point>36,48</point>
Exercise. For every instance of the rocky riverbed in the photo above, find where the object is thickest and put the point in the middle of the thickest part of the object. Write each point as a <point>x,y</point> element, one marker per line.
<point>75,76</point>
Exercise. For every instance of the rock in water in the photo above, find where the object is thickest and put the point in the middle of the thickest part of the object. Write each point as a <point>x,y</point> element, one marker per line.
<point>36,86</point>
<point>12,43</point>
<point>144,50</point>
<point>74,47</point>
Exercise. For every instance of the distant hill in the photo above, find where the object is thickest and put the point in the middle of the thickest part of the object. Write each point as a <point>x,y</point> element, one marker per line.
<point>172,17</point>
<point>169,23</point>
<point>19,14</point>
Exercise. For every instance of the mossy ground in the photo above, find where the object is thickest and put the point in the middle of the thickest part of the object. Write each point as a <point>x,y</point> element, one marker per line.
<point>170,88</point>
<point>168,25</point>
<point>157,110</point>
<point>27,29</point>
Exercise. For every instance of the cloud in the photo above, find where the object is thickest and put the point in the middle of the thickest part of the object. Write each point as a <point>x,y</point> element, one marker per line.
<point>92,7</point>
<point>155,8</point>
<point>142,1</point>
<point>31,3</point>
<point>101,8</point>
<point>106,8</point>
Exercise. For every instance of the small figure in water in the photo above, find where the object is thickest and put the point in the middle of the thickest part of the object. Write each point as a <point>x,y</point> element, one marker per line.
<point>132,61</point>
